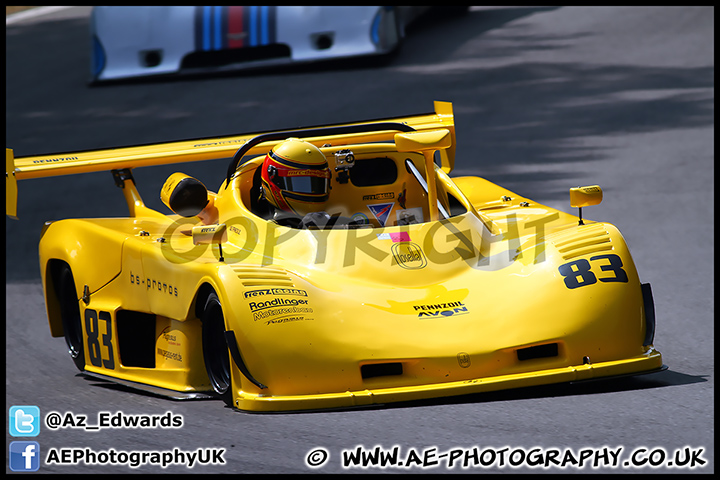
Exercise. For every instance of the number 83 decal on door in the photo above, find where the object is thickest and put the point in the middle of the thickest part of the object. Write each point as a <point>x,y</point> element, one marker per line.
<point>579,273</point>
<point>92,329</point>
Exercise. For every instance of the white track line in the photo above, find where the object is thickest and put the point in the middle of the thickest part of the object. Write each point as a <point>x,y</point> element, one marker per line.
<point>32,13</point>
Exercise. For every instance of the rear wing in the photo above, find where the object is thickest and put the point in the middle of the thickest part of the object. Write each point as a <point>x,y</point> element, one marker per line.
<point>229,148</point>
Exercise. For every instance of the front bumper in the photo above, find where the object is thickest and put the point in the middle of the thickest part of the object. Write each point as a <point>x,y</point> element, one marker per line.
<point>649,362</point>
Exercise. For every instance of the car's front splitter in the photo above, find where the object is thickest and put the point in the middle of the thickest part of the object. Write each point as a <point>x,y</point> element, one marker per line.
<point>649,362</point>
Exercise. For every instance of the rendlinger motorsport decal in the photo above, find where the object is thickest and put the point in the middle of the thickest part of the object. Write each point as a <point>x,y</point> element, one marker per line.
<point>277,309</point>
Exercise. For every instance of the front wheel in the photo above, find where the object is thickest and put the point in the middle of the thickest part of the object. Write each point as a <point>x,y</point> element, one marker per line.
<point>70,315</point>
<point>215,349</point>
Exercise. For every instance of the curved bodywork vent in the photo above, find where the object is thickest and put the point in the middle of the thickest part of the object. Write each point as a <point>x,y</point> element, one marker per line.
<point>257,276</point>
<point>584,240</point>
<point>539,351</point>
<point>372,370</point>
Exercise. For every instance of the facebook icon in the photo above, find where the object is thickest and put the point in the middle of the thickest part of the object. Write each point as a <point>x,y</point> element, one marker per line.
<point>24,456</point>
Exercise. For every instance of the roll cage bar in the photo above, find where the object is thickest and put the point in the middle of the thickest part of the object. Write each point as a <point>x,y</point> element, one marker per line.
<point>310,132</point>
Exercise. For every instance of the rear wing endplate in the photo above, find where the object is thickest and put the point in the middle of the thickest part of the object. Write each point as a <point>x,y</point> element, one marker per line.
<point>10,185</point>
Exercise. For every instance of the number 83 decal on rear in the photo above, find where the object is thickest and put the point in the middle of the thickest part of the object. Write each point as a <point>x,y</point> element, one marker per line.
<point>579,273</point>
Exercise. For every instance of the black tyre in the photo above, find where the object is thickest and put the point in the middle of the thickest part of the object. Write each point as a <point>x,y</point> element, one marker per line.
<point>215,349</point>
<point>70,314</point>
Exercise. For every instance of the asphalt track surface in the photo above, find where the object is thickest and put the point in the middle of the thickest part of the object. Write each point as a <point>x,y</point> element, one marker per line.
<point>545,99</point>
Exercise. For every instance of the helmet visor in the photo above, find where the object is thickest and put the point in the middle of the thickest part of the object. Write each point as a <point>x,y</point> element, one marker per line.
<point>303,184</point>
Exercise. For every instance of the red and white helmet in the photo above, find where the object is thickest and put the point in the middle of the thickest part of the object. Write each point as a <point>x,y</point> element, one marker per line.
<point>296,177</point>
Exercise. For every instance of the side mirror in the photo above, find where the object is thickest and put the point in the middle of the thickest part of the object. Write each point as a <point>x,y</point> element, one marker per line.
<point>184,195</point>
<point>208,234</point>
<point>585,197</point>
<point>423,141</point>
<point>10,185</point>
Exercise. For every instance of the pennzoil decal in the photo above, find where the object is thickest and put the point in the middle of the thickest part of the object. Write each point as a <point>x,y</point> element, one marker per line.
<point>448,309</point>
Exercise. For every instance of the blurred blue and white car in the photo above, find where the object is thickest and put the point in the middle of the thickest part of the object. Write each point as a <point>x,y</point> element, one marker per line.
<point>132,42</point>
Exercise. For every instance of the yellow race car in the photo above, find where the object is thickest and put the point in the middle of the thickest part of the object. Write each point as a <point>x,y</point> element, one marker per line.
<point>336,267</point>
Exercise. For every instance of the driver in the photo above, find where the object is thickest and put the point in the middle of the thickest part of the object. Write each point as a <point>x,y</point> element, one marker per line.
<point>296,181</point>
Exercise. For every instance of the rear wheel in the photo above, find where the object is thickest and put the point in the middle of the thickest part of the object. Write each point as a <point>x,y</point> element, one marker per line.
<point>215,349</point>
<point>70,314</point>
